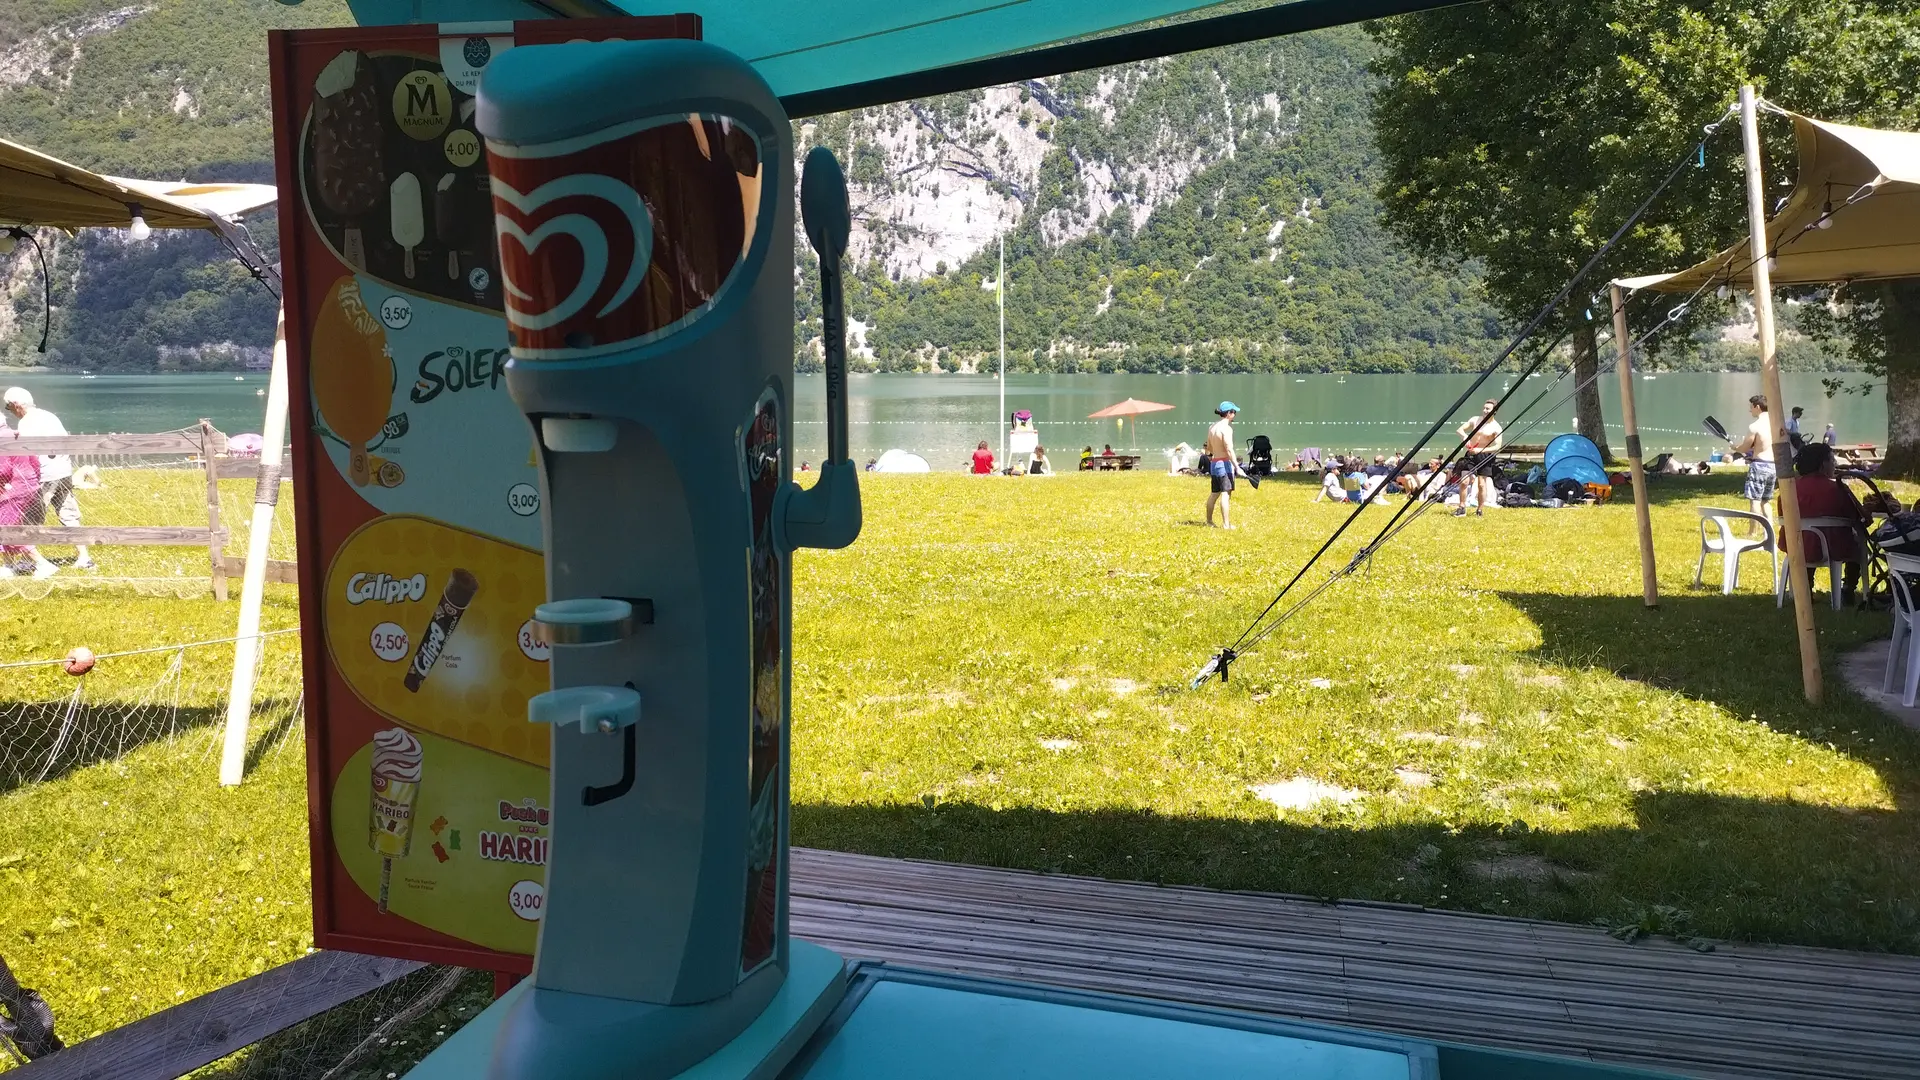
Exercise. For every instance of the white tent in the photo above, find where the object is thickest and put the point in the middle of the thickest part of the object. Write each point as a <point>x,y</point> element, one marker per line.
<point>899,461</point>
<point>1854,215</point>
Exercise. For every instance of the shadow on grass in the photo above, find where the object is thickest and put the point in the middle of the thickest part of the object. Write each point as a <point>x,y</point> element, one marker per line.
<point>46,740</point>
<point>1733,868</point>
<point>1739,652</point>
<point>275,734</point>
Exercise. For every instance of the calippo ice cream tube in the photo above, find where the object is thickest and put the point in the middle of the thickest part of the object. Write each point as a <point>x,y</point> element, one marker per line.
<point>461,586</point>
<point>396,783</point>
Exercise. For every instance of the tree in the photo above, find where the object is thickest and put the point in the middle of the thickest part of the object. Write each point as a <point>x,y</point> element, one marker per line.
<point>1521,133</point>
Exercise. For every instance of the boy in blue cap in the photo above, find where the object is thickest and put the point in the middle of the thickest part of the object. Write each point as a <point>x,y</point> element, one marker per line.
<point>1221,464</point>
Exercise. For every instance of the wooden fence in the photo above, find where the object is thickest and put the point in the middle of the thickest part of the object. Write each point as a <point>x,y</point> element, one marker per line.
<point>207,445</point>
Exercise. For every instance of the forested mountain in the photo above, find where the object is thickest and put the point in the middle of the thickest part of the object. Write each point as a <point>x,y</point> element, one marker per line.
<point>1212,213</point>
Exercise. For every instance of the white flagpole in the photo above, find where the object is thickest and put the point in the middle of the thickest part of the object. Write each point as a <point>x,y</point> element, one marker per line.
<point>1000,293</point>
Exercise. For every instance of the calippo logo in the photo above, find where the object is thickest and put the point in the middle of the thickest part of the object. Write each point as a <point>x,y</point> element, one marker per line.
<point>610,239</point>
<point>387,590</point>
<point>528,811</point>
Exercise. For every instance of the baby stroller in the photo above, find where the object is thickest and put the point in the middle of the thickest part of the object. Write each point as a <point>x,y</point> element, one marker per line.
<point>1896,533</point>
<point>1260,456</point>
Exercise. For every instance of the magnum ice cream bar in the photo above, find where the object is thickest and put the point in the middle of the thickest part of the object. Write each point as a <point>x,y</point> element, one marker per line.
<point>461,586</point>
<point>347,167</point>
<point>396,784</point>
<point>352,374</point>
<point>408,215</point>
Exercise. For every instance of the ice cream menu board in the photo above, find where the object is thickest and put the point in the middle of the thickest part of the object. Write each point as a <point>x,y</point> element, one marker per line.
<point>416,492</point>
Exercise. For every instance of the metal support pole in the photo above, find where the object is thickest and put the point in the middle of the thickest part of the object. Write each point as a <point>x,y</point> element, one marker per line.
<point>1789,532</point>
<point>1000,293</point>
<point>1649,584</point>
<point>266,495</point>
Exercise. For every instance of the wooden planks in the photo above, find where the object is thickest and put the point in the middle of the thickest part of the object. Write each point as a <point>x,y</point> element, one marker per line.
<point>279,571</point>
<point>172,442</point>
<point>1742,1011</point>
<point>130,535</point>
<point>195,1033</point>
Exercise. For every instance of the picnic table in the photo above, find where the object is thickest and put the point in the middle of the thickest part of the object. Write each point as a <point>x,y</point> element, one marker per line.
<point>1864,453</point>
<point>1100,462</point>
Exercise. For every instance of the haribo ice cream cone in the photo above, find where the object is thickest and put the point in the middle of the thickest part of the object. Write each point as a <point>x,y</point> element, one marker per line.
<point>396,784</point>
<point>352,373</point>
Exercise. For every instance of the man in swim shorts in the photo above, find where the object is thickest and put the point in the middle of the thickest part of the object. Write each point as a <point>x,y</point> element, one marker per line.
<point>1757,444</point>
<point>1221,464</point>
<point>1484,440</point>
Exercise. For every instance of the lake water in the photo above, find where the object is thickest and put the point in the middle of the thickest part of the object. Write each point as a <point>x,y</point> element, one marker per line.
<point>941,417</point>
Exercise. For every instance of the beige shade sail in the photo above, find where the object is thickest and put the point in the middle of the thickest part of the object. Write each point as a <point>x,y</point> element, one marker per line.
<point>37,189</point>
<point>1863,181</point>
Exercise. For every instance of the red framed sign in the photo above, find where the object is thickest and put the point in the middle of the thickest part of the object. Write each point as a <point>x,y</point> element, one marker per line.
<point>417,503</point>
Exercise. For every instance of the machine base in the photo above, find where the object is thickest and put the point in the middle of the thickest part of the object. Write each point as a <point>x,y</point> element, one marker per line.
<point>816,980</point>
<point>902,1024</point>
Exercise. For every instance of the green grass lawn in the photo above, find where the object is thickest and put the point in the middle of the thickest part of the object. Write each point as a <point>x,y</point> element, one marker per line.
<point>996,673</point>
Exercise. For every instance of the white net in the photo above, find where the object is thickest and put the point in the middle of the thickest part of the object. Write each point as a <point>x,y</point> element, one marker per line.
<point>134,882</point>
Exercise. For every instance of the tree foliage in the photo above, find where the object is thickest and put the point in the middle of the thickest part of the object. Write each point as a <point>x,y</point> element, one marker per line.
<point>1521,133</point>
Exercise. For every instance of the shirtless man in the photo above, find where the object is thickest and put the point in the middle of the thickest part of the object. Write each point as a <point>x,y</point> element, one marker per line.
<point>1476,465</point>
<point>1221,464</point>
<point>1757,444</point>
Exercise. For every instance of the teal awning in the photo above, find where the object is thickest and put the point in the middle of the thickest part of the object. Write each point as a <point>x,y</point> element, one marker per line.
<point>827,55</point>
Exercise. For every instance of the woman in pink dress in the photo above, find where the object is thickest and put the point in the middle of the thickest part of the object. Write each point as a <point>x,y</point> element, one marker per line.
<point>19,487</point>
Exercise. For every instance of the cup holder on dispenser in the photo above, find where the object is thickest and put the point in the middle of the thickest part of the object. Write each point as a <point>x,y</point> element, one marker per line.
<point>595,620</point>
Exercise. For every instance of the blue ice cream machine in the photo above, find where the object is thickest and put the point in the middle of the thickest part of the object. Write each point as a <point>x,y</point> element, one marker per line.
<point>644,202</point>
<point>643,193</point>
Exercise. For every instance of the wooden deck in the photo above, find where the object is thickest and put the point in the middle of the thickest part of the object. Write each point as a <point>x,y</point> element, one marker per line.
<point>1741,1011</point>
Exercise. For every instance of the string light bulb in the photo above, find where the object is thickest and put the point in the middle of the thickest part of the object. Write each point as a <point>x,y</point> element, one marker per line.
<point>139,229</point>
<point>1826,216</point>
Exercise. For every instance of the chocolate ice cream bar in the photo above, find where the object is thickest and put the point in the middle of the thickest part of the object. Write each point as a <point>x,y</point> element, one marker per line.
<point>349,174</point>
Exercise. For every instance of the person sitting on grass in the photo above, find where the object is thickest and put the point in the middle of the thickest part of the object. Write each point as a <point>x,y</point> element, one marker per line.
<point>1819,493</point>
<point>1353,481</point>
<point>1038,466</point>
<point>982,460</point>
<point>1411,482</point>
<point>1330,487</point>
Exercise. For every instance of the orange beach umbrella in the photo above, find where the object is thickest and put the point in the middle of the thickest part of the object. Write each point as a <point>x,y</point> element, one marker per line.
<point>1129,408</point>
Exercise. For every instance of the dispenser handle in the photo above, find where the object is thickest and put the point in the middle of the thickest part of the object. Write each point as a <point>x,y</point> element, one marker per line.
<point>594,796</point>
<point>828,217</point>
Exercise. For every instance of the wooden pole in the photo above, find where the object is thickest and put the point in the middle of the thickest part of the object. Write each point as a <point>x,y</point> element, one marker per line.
<point>216,539</point>
<point>1776,404</point>
<point>253,583</point>
<point>1649,584</point>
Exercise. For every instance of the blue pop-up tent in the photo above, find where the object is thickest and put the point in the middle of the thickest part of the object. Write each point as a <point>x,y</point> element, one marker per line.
<point>823,56</point>
<point>1574,457</point>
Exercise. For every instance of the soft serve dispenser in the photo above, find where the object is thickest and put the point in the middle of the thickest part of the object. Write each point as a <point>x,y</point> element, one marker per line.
<point>644,197</point>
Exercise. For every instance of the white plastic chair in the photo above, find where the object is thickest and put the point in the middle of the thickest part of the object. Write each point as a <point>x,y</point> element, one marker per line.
<point>1730,547</point>
<point>1906,638</point>
<point>1836,568</point>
